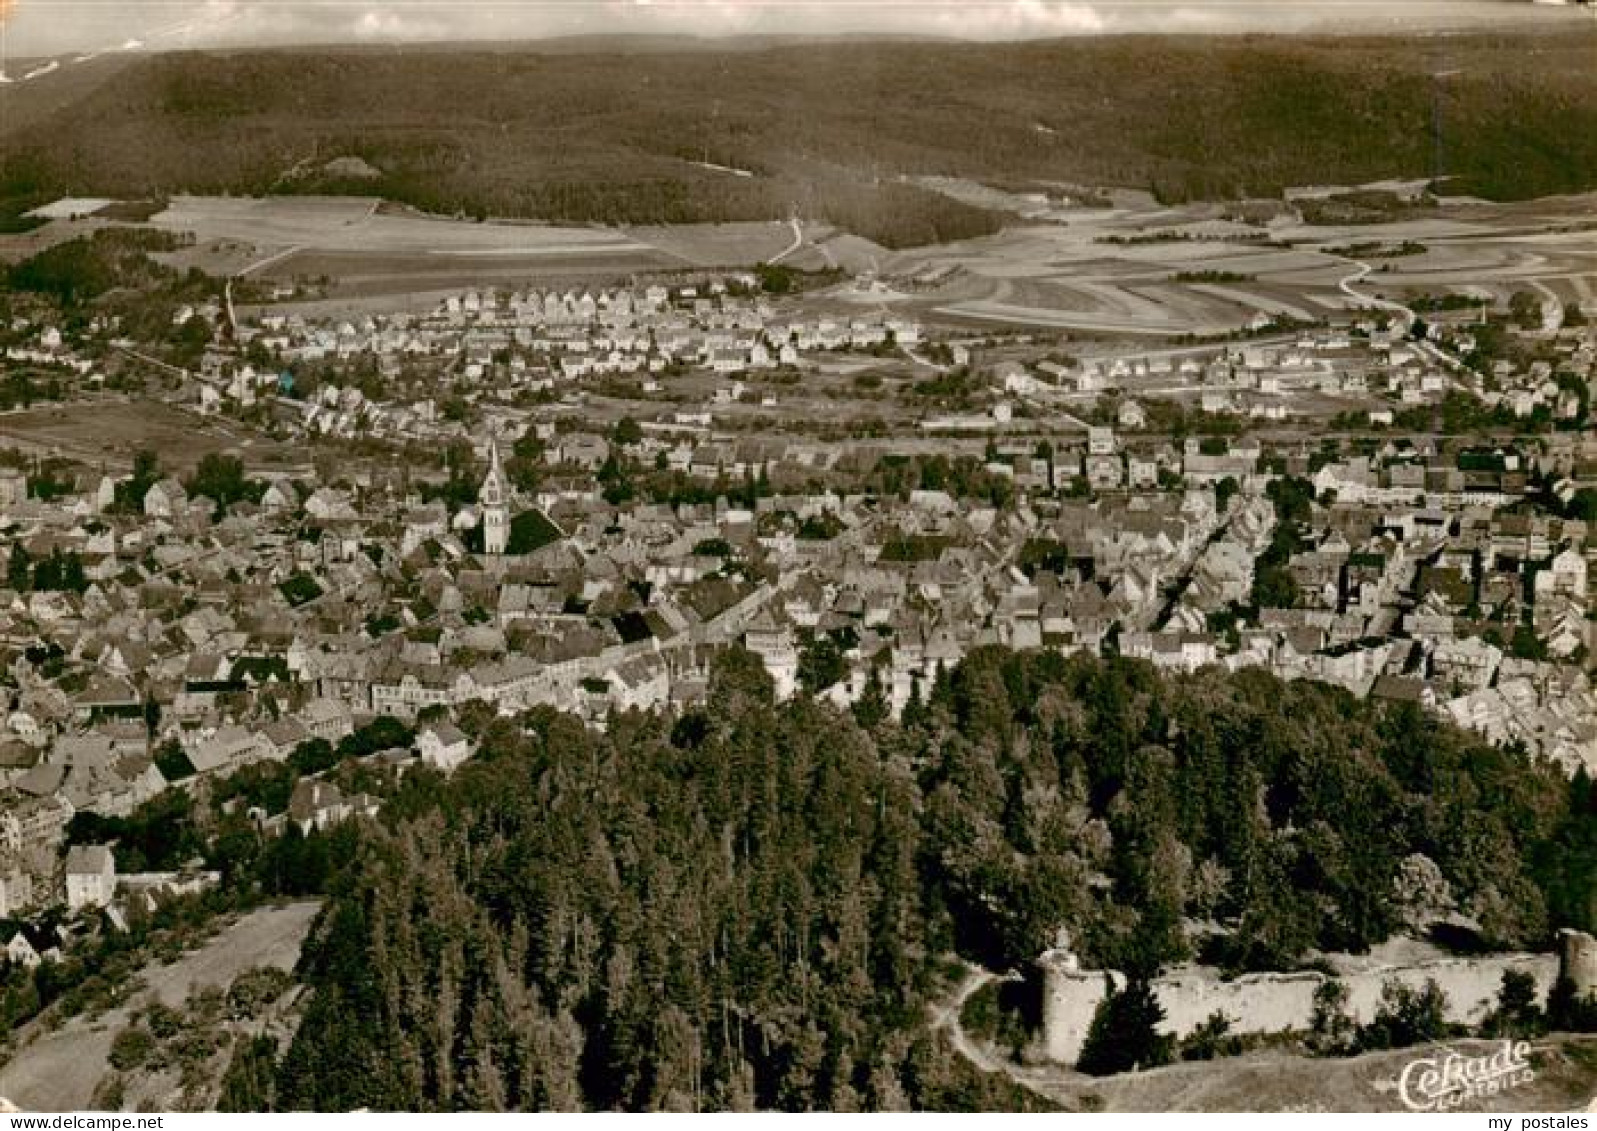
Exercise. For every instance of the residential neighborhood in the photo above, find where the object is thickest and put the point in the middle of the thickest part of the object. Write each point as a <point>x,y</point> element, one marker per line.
<point>594,555</point>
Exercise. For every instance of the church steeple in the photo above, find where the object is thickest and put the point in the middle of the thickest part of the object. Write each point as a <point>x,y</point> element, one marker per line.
<point>494,499</point>
<point>493,484</point>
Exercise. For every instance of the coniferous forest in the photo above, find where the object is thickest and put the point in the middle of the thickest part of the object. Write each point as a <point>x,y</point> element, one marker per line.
<point>754,904</point>
<point>598,132</point>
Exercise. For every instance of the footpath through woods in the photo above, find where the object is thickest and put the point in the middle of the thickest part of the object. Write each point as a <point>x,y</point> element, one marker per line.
<point>1049,1083</point>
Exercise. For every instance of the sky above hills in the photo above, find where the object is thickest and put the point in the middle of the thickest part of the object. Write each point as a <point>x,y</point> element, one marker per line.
<point>49,27</point>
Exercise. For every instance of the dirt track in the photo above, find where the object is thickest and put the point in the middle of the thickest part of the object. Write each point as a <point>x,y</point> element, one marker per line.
<point>1274,1079</point>
<point>59,1071</point>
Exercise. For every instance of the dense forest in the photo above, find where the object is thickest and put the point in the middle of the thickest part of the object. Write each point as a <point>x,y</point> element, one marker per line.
<point>752,904</point>
<point>827,129</point>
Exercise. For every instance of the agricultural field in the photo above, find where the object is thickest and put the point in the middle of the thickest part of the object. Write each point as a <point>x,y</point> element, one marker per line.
<point>1061,277</point>
<point>1152,270</point>
<point>1560,265</point>
<point>357,275</point>
<point>740,244</point>
<point>357,224</point>
<point>1136,268</point>
<point>365,248</point>
<point>219,257</point>
<point>454,248</point>
<point>109,433</point>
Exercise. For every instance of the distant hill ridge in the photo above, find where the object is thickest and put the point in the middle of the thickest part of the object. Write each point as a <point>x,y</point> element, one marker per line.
<point>611,134</point>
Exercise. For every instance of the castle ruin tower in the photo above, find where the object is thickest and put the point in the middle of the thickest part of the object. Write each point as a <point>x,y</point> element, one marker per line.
<point>494,497</point>
<point>1578,962</point>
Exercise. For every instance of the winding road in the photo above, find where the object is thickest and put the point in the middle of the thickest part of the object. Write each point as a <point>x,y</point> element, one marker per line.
<point>798,242</point>
<point>923,361</point>
<point>1348,286</point>
<point>1049,1083</point>
<point>946,1018</point>
<point>1453,366</point>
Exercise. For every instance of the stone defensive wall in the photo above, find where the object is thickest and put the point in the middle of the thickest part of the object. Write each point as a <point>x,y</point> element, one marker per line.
<point>1271,1003</point>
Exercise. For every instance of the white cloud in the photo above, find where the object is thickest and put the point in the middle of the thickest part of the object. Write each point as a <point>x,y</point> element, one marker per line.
<point>1019,19</point>
<point>391,26</point>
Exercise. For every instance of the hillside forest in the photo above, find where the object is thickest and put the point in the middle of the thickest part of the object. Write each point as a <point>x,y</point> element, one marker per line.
<point>830,130</point>
<point>752,904</point>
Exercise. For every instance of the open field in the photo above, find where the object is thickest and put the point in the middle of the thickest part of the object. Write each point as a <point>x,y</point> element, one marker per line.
<point>1061,278</point>
<point>1065,276</point>
<point>215,257</point>
<point>356,224</point>
<point>378,254</point>
<point>1138,268</point>
<point>1071,275</point>
<point>366,249</point>
<point>359,275</point>
<point>1564,263</point>
<point>108,433</point>
<point>58,1071</point>
<point>1049,275</point>
<point>718,245</point>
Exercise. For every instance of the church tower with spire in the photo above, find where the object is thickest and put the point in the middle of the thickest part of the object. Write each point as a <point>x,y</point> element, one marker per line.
<point>494,498</point>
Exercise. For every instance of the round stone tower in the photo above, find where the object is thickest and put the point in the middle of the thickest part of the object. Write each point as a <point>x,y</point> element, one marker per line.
<point>1578,961</point>
<point>1070,998</point>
